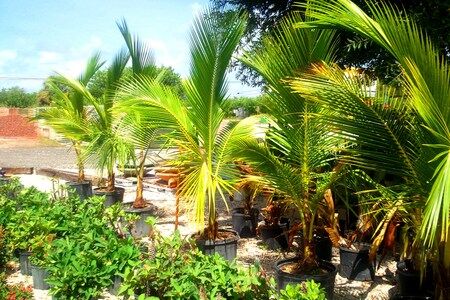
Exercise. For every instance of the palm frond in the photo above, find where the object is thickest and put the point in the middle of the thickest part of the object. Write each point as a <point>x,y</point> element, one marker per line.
<point>426,76</point>
<point>142,59</point>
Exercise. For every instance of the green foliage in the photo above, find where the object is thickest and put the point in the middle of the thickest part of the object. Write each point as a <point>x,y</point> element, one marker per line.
<point>250,106</point>
<point>75,240</point>
<point>308,290</point>
<point>357,51</point>
<point>82,265</point>
<point>3,250</point>
<point>196,121</point>
<point>180,271</point>
<point>17,97</point>
<point>170,78</point>
<point>14,292</point>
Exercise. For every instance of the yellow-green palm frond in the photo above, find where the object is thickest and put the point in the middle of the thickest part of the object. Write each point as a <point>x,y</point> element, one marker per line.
<point>427,78</point>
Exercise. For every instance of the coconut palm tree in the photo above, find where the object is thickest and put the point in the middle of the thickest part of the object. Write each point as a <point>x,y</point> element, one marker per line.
<point>297,158</point>
<point>103,132</point>
<point>426,79</point>
<point>196,123</point>
<point>68,116</point>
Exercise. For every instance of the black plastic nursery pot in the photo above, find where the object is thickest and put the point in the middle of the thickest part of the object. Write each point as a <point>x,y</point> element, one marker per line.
<point>409,284</point>
<point>24,261</point>
<point>226,247</point>
<point>275,236</point>
<point>140,228</point>
<point>245,224</point>
<point>355,264</point>
<point>82,189</point>
<point>39,275</point>
<point>111,197</point>
<point>115,286</point>
<point>325,276</point>
<point>324,247</point>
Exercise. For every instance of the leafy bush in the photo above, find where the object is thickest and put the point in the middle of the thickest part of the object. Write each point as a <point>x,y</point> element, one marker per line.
<point>81,267</point>
<point>86,260</point>
<point>14,292</point>
<point>73,239</point>
<point>180,271</point>
<point>308,290</point>
<point>17,97</point>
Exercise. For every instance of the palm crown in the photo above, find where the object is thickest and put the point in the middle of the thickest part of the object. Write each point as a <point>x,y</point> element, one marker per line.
<point>195,124</point>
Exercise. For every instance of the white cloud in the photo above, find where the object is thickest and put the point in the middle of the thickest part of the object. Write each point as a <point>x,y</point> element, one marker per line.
<point>170,54</point>
<point>71,68</point>
<point>94,44</point>
<point>6,56</point>
<point>196,8</point>
<point>46,57</point>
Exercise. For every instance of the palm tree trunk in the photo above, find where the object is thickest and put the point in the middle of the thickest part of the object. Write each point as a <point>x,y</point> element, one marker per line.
<point>177,210</point>
<point>80,164</point>
<point>110,185</point>
<point>139,200</point>
<point>213,226</point>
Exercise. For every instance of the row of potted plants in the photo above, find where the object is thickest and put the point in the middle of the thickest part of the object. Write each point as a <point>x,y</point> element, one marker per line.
<point>77,248</point>
<point>326,132</point>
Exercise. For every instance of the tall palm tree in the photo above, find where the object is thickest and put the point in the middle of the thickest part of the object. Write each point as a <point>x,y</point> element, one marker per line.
<point>297,158</point>
<point>426,78</point>
<point>196,123</point>
<point>68,116</point>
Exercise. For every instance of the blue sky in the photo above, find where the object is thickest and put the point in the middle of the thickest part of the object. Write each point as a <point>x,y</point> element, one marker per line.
<point>41,37</point>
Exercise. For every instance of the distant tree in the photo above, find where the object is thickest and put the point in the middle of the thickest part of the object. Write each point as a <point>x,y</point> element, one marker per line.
<point>432,15</point>
<point>170,78</point>
<point>45,96</point>
<point>17,97</point>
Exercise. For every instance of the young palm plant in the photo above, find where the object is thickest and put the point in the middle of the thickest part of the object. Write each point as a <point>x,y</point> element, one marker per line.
<point>68,114</point>
<point>103,132</point>
<point>426,79</point>
<point>196,124</point>
<point>297,158</point>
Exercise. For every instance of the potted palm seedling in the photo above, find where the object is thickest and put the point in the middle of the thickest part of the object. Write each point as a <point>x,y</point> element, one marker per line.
<point>298,156</point>
<point>195,126</point>
<point>68,116</point>
<point>106,144</point>
<point>245,217</point>
<point>415,149</point>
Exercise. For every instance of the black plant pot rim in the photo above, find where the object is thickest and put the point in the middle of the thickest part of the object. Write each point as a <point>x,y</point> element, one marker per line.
<point>324,265</point>
<point>365,247</point>
<point>130,209</point>
<point>233,239</point>
<point>79,182</point>
<point>117,190</point>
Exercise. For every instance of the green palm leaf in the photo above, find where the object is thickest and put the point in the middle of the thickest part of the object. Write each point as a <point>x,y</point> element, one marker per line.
<point>427,81</point>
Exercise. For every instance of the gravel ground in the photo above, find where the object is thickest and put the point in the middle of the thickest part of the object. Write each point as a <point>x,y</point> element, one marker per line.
<point>38,157</point>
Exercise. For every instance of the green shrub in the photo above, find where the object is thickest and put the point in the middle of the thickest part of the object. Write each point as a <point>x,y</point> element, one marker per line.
<point>251,106</point>
<point>308,290</point>
<point>17,97</point>
<point>180,271</point>
<point>86,259</point>
<point>14,292</point>
<point>81,267</point>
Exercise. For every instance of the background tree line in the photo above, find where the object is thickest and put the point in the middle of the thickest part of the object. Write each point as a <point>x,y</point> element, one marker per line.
<point>432,15</point>
<point>19,97</point>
